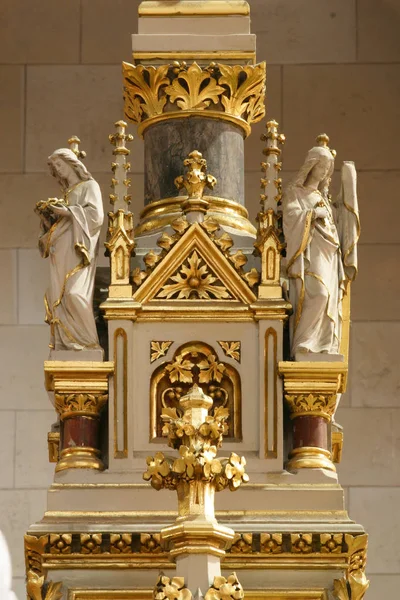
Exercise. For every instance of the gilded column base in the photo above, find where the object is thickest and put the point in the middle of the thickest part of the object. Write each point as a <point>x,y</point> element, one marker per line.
<point>80,458</point>
<point>310,457</point>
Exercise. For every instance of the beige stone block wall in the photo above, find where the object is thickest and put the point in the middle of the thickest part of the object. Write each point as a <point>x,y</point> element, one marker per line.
<point>333,65</point>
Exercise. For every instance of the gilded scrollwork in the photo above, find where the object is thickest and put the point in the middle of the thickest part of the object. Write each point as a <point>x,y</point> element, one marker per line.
<point>234,92</point>
<point>225,589</point>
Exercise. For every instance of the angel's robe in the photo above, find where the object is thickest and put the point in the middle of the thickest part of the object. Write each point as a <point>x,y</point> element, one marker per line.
<point>315,270</point>
<point>71,243</point>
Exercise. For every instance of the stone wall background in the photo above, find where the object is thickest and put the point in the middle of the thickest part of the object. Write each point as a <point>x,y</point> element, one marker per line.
<point>334,66</point>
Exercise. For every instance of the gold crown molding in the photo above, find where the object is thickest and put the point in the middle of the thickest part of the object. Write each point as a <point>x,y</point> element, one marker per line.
<point>160,213</point>
<point>313,377</point>
<point>154,92</point>
<point>157,8</point>
<point>99,550</point>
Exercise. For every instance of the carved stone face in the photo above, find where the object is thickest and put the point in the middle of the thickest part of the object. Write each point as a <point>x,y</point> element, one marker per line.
<point>62,168</point>
<point>320,171</point>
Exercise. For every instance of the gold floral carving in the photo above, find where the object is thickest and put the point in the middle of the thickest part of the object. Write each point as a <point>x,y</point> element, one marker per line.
<point>194,88</point>
<point>91,543</point>
<point>79,404</point>
<point>301,542</point>
<point>194,280</point>
<point>242,543</point>
<point>194,181</point>
<point>171,589</point>
<point>143,86</point>
<point>121,543</point>
<point>354,584</point>
<point>195,363</point>
<point>60,543</point>
<point>271,543</point>
<point>150,543</point>
<point>231,349</point>
<point>35,586</point>
<point>158,349</point>
<point>219,91</point>
<point>225,243</point>
<point>165,242</point>
<point>331,543</point>
<point>320,405</point>
<point>225,589</point>
<point>246,91</point>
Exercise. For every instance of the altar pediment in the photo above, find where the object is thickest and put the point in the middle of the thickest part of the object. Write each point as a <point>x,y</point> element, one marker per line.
<point>195,271</point>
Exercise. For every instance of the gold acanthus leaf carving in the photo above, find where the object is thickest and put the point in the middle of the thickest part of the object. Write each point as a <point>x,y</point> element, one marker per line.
<point>311,404</point>
<point>36,583</point>
<point>231,349</point>
<point>145,83</point>
<point>80,403</point>
<point>171,589</point>
<point>210,369</point>
<point>194,280</point>
<point>246,95</point>
<point>225,588</point>
<point>194,89</point>
<point>180,370</point>
<point>158,349</point>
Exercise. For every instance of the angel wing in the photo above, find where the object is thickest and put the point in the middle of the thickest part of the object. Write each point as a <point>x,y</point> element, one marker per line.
<point>348,219</point>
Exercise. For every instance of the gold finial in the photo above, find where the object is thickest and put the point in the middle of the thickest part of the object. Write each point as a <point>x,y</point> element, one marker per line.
<point>194,181</point>
<point>323,141</point>
<point>119,138</point>
<point>272,188</point>
<point>74,142</point>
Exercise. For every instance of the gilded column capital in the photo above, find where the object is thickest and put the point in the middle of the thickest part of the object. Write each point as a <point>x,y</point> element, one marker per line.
<point>317,405</point>
<point>218,91</point>
<point>83,405</point>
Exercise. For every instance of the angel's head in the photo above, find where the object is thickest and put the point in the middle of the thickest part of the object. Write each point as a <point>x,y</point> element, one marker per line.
<point>67,168</point>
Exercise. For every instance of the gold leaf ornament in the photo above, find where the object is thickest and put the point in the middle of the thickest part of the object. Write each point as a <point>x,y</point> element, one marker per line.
<point>231,349</point>
<point>157,469</point>
<point>142,90</point>
<point>235,471</point>
<point>246,94</point>
<point>211,369</point>
<point>225,589</point>
<point>194,89</point>
<point>171,589</point>
<point>158,349</point>
<point>180,370</point>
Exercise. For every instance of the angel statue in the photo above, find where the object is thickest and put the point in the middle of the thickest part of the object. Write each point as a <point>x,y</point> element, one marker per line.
<point>321,250</point>
<point>69,236</point>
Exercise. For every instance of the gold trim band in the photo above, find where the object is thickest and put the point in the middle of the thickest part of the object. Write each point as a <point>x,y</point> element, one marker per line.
<point>211,114</point>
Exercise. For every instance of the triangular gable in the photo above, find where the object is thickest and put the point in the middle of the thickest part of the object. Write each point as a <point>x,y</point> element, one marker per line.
<point>195,254</point>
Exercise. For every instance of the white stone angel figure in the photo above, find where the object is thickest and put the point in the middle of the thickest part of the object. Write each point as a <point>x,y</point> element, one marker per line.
<point>69,237</point>
<point>321,250</point>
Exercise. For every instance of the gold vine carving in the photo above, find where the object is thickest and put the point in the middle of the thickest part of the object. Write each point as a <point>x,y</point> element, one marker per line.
<point>231,349</point>
<point>225,588</point>
<point>238,91</point>
<point>158,349</point>
<point>354,584</point>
